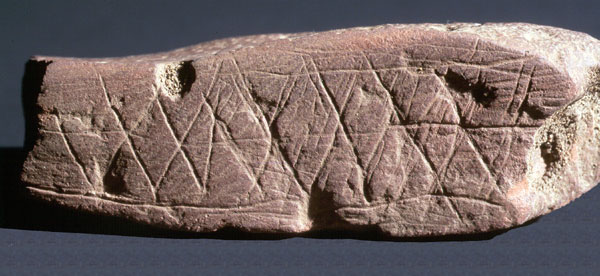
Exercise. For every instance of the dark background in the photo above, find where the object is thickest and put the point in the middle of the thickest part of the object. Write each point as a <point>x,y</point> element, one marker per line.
<point>38,238</point>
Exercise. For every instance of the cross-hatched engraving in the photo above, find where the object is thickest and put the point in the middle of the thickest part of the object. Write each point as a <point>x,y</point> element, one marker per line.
<point>412,135</point>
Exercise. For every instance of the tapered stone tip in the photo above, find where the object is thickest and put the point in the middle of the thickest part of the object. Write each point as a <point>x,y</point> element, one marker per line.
<point>418,130</point>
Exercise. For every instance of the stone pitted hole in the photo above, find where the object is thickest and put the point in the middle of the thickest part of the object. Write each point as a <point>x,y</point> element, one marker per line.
<point>480,92</point>
<point>175,80</point>
<point>549,152</point>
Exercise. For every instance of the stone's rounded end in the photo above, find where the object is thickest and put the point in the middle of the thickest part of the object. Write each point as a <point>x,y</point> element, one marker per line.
<point>564,161</point>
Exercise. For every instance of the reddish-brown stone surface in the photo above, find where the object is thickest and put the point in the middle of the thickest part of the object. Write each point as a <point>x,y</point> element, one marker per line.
<point>419,130</point>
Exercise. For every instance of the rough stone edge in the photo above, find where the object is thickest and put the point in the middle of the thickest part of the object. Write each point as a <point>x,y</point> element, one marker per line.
<point>564,161</point>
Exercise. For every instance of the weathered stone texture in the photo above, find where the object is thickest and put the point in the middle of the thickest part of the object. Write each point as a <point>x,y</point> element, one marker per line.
<point>419,130</point>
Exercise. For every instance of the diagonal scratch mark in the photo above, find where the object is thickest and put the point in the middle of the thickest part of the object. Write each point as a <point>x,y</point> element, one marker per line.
<point>310,129</point>
<point>380,82</point>
<point>477,150</point>
<point>520,109</point>
<point>178,149</point>
<point>437,180</point>
<point>210,144</point>
<point>284,100</point>
<point>239,154</point>
<point>445,165</point>
<point>452,205</point>
<point>212,129</point>
<point>249,99</point>
<point>388,123</point>
<point>410,101</point>
<point>184,136</point>
<point>189,128</point>
<point>128,140</point>
<point>395,105</point>
<point>443,171</point>
<point>349,93</point>
<point>447,162</point>
<point>431,103</point>
<point>276,136</point>
<point>72,152</point>
<point>279,100</point>
<point>260,117</point>
<point>235,150</point>
<point>474,49</point>
<point>331,145</point>
<point>231,142</point>
<point>472,103</point>
<point>288,166</point>
<point>509,147</point>
<point>423,155</point>
<point>381,148</point>
<point>338,110</point>
<point>512,98</point>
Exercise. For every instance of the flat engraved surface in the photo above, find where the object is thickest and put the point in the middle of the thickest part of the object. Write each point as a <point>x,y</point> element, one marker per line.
<point>414,131</point>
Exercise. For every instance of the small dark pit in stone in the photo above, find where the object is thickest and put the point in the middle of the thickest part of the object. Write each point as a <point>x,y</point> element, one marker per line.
<point>186,74</point>
<point>549,152</point>
<point>480,92</point>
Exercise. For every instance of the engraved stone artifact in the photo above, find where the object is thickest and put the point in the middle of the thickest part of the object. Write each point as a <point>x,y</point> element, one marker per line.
<point>418,130</point>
